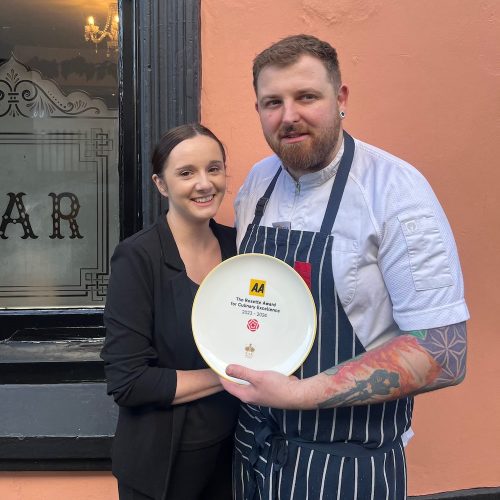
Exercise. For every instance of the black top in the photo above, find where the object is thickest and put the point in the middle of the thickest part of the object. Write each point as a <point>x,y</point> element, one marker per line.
<point>148,337</point>
<point>207,419</point>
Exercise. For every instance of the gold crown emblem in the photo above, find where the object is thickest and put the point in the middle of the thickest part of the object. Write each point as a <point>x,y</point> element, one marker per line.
<point>249,350</point>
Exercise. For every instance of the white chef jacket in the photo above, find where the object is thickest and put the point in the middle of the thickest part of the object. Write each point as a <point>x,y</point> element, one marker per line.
<point>395,262</point>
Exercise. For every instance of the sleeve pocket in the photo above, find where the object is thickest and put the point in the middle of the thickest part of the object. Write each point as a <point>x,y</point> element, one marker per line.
<point>426,251</point>
<point>345,262</point>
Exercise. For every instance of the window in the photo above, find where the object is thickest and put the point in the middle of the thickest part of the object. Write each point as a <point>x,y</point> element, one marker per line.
<point>78,119</point>
<point>59,157</point>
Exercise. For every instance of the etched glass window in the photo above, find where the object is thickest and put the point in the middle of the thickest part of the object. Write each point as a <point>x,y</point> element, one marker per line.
<point>59,189</point>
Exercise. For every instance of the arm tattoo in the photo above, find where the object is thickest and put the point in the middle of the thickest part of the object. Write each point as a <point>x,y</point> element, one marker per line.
<point>379,382</point>
<point>420,361</point>
<point>448,346</point>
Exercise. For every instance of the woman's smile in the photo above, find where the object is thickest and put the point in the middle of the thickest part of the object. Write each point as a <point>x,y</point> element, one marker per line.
<point>204,199</point>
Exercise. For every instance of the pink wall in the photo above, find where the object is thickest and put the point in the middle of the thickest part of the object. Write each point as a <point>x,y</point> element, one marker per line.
<point>57,486</point>
<point>424,82</point>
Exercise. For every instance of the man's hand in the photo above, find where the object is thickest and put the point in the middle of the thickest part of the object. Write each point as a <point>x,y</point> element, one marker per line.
<point>268,388</point>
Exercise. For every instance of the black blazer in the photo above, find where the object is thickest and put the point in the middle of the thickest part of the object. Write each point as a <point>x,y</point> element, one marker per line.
<point>148,326</point>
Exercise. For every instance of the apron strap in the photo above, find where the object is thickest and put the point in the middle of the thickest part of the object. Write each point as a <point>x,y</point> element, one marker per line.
<point>261,204</point>
<point>338,185</point>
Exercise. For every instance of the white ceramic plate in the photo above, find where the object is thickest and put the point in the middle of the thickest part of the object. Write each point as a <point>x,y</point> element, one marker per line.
<point>254,310</point>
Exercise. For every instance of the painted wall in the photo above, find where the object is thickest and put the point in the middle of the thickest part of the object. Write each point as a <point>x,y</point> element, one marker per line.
<point>57,486</point>
<point>424,79</point>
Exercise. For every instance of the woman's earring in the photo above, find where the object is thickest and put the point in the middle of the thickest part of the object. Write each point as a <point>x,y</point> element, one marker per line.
<point>342,115</point>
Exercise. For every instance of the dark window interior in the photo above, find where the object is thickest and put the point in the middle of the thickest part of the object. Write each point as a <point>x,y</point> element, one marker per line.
<point>55,413</point>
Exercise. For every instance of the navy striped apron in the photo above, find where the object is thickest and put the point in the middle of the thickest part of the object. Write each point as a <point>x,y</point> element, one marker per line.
<point>340,453</point>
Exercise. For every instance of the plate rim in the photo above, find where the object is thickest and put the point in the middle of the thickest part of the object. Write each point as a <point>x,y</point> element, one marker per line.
<point>289,268</point>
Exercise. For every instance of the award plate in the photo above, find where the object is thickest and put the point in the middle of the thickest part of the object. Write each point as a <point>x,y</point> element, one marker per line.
<point>254,310</point>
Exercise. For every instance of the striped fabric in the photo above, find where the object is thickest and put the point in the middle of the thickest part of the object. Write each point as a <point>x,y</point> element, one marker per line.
<point>283,468</point>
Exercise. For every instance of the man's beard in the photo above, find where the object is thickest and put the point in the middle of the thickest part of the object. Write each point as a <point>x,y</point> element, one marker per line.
<point>311,155</point>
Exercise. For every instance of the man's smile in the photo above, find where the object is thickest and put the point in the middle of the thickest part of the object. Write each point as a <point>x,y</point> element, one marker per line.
<point>293,138</point>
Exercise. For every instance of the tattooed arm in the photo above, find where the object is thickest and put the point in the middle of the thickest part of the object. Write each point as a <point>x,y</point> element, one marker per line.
<point>416,362</point>
<point>409,364</point>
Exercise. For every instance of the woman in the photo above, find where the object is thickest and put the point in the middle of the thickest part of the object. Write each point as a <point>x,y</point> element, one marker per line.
<point>175,425</point>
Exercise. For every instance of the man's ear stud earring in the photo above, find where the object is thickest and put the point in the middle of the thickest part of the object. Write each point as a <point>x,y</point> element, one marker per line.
<point>342,115</point>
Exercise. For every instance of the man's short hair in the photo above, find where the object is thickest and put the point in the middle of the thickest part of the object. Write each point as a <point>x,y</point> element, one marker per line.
<point>288,51</point>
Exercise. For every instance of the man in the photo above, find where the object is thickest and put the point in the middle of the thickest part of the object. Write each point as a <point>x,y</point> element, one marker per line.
<point>366,231</point>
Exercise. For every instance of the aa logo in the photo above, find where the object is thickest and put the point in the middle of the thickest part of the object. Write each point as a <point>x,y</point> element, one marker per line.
<point>258,288</point>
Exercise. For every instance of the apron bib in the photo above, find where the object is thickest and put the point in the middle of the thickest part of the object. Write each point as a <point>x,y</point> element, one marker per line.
<point>339,453</point>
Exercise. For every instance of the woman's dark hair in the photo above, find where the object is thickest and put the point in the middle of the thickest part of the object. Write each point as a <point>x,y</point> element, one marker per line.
<point>175,136</point>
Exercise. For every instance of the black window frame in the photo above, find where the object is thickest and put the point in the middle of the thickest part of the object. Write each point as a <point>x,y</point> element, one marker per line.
<point>159,87</point>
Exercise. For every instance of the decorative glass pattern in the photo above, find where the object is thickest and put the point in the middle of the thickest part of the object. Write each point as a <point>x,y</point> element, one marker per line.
<point>59,199</point>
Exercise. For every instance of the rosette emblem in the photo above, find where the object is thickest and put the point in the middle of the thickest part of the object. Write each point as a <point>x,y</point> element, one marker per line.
<point>253,325</point>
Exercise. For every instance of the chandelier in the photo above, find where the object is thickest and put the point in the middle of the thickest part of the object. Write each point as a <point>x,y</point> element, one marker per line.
<point>95,35</point>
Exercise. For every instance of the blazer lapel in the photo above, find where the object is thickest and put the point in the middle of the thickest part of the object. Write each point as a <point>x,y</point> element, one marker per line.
<point>182,299</point>
<point>169,248</point>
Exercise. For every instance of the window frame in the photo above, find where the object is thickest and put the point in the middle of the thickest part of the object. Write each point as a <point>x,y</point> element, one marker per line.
<point>159,87</point>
